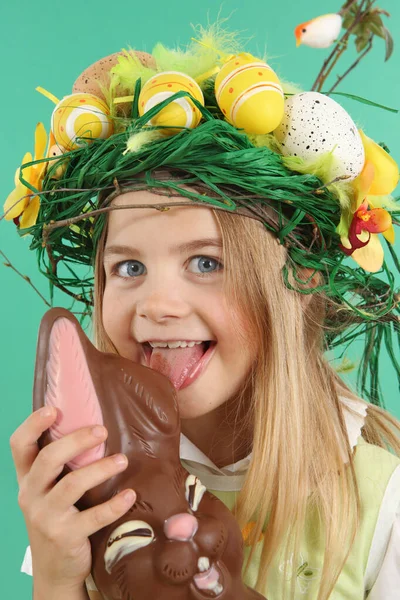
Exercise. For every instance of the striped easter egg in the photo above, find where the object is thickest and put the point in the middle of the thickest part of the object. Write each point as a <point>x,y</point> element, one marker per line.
<point>83,115</point>
<point>249,94</point>
<point>179,113</point>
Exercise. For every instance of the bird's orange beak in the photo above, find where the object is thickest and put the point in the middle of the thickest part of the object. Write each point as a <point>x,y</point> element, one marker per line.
<point>298,34</point>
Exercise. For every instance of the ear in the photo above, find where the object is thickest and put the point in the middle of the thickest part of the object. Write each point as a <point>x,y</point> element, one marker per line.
<point>63,380</point>
<point>311,279</point>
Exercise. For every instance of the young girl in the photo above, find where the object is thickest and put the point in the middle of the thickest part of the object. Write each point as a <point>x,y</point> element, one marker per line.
<point>210,237</point>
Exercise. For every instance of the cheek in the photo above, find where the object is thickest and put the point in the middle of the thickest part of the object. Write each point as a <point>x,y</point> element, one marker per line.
<point>234,324</point>
<point>107,313</point>
<point>117,322</point>
<point>114,316</point>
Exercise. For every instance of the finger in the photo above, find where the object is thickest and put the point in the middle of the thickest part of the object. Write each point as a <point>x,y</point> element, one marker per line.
<point>72,487</point>
<point>93,519</point>
<point>51,459</point>
<point>23,442</point>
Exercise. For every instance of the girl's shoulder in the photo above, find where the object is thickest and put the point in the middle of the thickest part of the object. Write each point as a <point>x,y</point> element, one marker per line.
<point>377,471</point>
<point>370,461</point>
<point>378,478</point>
<point>374,461</point>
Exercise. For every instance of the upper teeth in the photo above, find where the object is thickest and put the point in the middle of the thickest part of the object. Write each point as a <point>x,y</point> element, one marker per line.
<point>173,344</point>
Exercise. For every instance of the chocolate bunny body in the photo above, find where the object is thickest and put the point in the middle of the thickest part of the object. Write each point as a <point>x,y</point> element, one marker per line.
<point>177,542</point>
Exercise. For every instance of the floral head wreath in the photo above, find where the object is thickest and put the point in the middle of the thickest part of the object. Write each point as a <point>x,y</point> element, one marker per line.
<point>221,120</point>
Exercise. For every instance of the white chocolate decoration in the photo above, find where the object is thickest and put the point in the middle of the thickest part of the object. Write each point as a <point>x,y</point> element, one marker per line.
<point>127,538</point>
<point>314,124</point>
<point>209,580</point>
<point>194,491</point>
<point>203,564</point>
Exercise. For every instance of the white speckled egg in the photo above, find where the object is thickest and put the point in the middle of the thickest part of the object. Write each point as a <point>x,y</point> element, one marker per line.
<point>314,124</point>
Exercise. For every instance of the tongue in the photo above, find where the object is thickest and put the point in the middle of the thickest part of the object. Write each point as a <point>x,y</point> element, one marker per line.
<point>176,363</point>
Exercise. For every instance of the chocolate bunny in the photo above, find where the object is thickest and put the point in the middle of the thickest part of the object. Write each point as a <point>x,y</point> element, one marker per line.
<point>178,541</point>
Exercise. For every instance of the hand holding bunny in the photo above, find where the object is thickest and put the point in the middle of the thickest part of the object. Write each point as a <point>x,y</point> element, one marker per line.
<point>57,530</point>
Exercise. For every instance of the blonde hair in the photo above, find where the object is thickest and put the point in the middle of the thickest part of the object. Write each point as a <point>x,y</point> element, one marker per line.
<point>301,458</point>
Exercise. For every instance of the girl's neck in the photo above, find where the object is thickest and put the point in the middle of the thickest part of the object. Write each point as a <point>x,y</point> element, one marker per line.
<point>222,440</point>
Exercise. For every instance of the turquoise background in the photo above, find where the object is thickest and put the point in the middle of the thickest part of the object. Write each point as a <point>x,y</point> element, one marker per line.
<point>50,44</point>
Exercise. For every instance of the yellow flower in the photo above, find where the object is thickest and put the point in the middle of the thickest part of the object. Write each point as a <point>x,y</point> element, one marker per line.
<point>22,202</point>
<point>359,229</point>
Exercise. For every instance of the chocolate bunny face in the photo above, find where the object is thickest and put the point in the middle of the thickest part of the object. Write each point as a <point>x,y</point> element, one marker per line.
<point>177,542</point>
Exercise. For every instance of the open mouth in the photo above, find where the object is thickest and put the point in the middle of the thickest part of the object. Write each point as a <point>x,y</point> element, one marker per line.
<point>209,581</point>
<point>181,365</point>
<point>148,349</point>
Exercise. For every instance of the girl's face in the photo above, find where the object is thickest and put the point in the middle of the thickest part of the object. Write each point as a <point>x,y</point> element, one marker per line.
<point>164,282</point>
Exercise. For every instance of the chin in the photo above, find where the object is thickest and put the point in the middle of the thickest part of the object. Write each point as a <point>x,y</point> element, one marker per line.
<point>187,411</point>
<point>190,405</point>
<point>198,402</point>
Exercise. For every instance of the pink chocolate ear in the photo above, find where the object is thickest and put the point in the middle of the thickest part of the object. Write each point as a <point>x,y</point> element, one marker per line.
<point>70,389</point>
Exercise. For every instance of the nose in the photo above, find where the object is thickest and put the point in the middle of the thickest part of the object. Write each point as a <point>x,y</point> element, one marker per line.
<point>159,303</point>
<point>181,527</point>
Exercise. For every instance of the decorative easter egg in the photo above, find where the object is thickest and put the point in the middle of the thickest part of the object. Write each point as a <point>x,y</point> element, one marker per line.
<point>83,115</point>
<point>249,94</point>
<point>314,124</point>
<point>179,113</point>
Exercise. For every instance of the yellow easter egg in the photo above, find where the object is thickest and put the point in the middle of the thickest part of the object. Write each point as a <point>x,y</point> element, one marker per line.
<point>78,115</point>
<point>179,113</point>
<point>249,94</point>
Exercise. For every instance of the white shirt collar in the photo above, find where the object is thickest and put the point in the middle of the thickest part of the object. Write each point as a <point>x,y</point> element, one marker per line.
<point>231,477</point>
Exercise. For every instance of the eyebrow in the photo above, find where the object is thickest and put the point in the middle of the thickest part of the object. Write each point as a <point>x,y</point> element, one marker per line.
<point>184,247</point>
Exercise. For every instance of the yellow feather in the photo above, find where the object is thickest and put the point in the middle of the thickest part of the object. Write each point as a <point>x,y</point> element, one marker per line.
<point>138,140</point>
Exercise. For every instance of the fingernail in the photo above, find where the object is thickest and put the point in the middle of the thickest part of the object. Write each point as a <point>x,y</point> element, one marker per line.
<point>47,411</point>
<point>98,431</point>
<point>120,459</point>
<point>128,496</point>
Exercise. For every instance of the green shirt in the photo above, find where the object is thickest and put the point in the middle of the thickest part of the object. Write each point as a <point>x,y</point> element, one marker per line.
<point>374,468</point>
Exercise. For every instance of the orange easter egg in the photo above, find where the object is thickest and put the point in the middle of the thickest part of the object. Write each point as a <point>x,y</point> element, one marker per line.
<point>249,94</point>
<point>179,113</point>
<point>78,115</point>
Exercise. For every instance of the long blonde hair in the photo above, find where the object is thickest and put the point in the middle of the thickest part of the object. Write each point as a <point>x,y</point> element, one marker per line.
<point>299,435</point>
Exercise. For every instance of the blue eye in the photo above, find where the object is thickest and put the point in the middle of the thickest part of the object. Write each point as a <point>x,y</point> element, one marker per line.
<point>130,268</point>
<point>206,264</point>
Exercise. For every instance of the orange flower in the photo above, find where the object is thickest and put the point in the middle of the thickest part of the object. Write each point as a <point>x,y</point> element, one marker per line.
<point>360,228</point>
<point>247,533</point>
<point>365,223</point>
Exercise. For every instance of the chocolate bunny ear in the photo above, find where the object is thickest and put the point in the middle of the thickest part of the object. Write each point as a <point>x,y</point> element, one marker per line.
<point>137,405</point>
<point>63,380</point>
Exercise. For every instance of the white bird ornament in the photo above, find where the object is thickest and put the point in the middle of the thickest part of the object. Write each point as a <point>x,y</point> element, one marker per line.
<point>320,32</point>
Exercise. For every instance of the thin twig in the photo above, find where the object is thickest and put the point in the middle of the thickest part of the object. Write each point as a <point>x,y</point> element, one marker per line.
<point>54,262</point>
<point>346,7</point>
<point>340,46</point>
<point>45,192</point>
<point>47,228</point>
<point>115,187</point>
<point>339,53</point>
<point>355,63</point>
<point>24,277</point>
<point>324,65</point>
<point>320,190</point>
